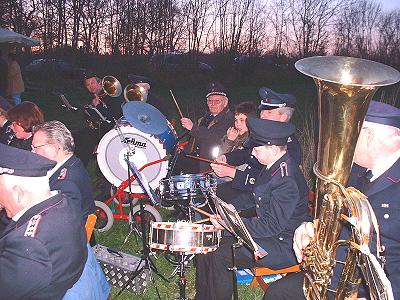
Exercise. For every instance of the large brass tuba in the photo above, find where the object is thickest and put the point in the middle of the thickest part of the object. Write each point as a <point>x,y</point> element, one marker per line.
<point>345,88</point>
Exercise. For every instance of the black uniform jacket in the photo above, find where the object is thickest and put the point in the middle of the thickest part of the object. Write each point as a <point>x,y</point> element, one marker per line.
<point>208,137</point>
<point>246,179</point>
<point>280,199</point>
<point>43,254</point>
<point>73,180</point>
<point>111,109</point>
<point>384,196</point>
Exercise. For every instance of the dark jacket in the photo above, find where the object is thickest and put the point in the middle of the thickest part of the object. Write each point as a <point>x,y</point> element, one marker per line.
<point>246,179</point>
<point>205,138</point>
<point>73,180</point>
<point>383,194</point>
<point>280,200</point>
<point>42,257</point>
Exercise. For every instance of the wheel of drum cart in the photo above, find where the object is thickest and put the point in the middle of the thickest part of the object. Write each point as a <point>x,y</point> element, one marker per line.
<point>125,199</point>
<point>105,218</point>
<point>150,214</point>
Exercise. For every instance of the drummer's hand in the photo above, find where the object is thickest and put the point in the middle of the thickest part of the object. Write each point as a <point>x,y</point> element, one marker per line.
<point>232,133</point>
<point>221,158</point>
<point>187,123</point>
<point>223,171</point>
<point>303,235</point>
<point>214,220</point>
<point>95,101</point>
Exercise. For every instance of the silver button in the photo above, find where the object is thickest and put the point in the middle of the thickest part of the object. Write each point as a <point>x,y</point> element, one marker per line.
<point>258,217</point>
<point>249,167</point>
<point>254,194</point>
<point>257,206</point>
<point>386,216</point>
<point>259,198</point>
<point>281,238</point>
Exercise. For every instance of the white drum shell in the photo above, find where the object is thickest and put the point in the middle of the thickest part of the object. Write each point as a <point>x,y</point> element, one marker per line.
<point>145,149</point>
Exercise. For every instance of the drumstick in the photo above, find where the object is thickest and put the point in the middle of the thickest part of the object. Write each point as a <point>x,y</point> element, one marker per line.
<point>201,211</point>
<point>211,161</point>
<point>202,221</point>
<point>176,103</point>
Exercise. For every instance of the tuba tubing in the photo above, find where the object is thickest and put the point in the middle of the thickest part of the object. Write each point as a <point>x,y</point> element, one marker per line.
<point>345,87</point>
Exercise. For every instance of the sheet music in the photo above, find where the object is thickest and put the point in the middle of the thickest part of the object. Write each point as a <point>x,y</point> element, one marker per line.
<point>234,224</point>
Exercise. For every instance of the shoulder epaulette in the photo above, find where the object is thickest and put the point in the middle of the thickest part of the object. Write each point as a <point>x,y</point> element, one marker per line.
<point>33,225</point>
<point>63,174</point>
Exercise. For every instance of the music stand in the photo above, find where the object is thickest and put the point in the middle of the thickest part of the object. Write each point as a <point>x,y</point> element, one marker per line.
<point>66,103</point>
<point>233,223</point>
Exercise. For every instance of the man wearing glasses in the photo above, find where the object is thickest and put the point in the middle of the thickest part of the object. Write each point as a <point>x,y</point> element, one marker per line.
<point>207,134</point>
<point>54,141</point>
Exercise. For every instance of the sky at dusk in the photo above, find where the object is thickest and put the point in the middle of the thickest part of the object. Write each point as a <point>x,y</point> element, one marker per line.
<point>390,4</point>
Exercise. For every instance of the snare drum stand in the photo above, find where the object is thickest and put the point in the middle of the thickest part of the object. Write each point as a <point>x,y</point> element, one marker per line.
<point>235,246</point>
<point>182,279</point>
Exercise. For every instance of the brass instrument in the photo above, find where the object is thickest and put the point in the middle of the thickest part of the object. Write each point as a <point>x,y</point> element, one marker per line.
<point>110,86</point>
<point>345,87</point>
<point>135,92</point>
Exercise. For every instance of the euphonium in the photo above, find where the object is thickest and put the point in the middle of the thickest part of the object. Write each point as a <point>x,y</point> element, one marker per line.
<point>345,88</point>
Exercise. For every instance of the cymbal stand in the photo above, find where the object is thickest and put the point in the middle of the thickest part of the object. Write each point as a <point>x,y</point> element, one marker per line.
<point>177,149</point>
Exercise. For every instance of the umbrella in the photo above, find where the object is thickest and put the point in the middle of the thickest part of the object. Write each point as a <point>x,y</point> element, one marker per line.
<point>11,37</point>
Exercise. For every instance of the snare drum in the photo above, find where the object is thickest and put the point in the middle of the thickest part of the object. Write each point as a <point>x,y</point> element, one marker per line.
<point>184,237</point>
<point>187,187</point>
<point>145,148</point>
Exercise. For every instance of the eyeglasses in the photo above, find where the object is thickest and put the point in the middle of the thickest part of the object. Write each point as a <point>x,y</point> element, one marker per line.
<point>214,102</point>
<point>35,147</point>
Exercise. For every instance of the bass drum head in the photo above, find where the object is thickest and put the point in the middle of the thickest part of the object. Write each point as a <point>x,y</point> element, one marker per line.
<point>145,149</point>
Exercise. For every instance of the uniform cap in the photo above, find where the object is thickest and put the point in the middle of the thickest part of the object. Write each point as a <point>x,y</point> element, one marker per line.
<point>271,100</point>
<point>19,162</point>
<point>216,88</point>
<point>383,113</point>
<point>267,132</point>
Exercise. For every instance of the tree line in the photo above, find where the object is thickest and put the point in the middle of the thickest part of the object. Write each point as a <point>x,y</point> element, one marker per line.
<point>279,28</point>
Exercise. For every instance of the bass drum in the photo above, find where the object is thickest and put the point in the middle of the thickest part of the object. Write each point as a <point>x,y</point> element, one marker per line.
<point>145,148</point>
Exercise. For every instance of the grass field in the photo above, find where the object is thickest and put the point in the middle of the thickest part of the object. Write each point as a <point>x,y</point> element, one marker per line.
<point>193,105</point>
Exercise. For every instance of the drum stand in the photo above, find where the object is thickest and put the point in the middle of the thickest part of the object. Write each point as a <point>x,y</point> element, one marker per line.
<point>145,262</point>
<point>182,279</point>
<point>235,246</point>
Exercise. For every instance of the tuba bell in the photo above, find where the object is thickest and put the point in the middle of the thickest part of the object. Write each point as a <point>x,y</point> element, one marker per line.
<point>345,86</point>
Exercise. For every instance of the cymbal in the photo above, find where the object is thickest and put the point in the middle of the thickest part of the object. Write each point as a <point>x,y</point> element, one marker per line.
<point>145,117</point>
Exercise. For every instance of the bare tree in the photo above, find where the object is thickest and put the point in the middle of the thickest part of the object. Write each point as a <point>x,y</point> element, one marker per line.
<point>388,41</point>
<point>311,21</point>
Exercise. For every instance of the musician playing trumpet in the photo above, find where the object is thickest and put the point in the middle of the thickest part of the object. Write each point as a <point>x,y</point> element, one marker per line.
<point>271,213</point>
<point>109,107</point>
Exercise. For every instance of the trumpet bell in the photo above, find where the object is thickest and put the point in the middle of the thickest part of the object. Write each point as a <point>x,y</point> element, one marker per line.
<point>134,92</point>
<point>111,86</point>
